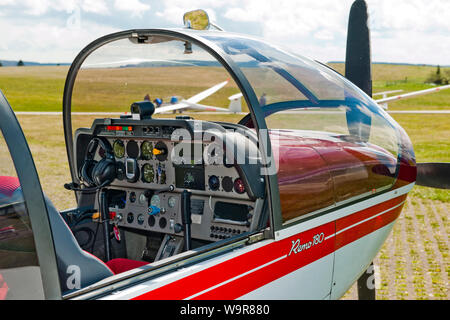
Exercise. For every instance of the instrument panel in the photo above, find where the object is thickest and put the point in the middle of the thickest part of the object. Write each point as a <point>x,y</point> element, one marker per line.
<point>150,164</point>
<point>152,171</point>
<point>212,219</point>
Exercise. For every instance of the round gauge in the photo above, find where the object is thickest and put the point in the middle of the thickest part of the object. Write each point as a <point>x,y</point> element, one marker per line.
<point>130,217</point>
<point>160,151</point>
<point>162,223</point>
<point>119,149</point>
<point>142,198</point>
<point>172,202</point>
<point>132,149</point>
<point>155,201</point>
<point>147,150</point>
<point>140,219</point>
<point>132,197</point>
<point>239,186</point>
<point>151,221</point>
<point>148,173</point>
<point>214,183</point>
<point>227,184</point>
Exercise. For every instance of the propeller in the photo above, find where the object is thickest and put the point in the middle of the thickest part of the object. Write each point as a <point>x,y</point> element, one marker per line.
<point>433,175</point>
<point>358,64</point>
<point>358,69</point>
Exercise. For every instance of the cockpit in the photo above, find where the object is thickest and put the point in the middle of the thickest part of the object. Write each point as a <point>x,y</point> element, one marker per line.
<point>180,140</point>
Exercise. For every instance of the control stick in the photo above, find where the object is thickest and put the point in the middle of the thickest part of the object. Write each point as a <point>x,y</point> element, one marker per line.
<point>186,218</point>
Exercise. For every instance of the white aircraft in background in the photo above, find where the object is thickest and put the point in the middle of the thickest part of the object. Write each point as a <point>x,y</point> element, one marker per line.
<point>235,105</point>
<point>192,102</point>
<point>384,101</point>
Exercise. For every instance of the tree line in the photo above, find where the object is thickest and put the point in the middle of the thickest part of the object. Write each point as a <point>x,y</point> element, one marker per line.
<point>19,63</point>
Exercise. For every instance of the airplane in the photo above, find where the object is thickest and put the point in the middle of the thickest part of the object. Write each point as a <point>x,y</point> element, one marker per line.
<point>292,201</point>
<point>384,101</point>
<point>192,102</point>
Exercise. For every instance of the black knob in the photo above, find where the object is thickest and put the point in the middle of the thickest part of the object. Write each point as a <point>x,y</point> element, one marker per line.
<point>178,228</point>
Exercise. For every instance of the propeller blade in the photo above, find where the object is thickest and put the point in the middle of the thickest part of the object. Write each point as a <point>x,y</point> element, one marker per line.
<point>433,175</point>
<point>358,62</point>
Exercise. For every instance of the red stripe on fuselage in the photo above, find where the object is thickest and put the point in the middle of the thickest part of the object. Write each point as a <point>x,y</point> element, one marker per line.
<point>349,220</point>
<point>367,227</point>
<point>254,280</point>
<point>217,281</point>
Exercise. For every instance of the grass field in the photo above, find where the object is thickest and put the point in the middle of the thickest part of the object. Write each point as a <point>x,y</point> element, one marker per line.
<point>413,263</point>
<point>408,78</point>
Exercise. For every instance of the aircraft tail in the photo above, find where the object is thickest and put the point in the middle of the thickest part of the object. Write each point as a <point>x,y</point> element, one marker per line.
<point>235,105</point>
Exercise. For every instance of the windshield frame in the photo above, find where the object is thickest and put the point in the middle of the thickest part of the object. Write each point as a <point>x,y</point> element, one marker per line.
<point>195,37</point>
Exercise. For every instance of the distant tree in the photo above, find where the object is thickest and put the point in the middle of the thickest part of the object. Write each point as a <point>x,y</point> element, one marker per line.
<point>20,63</point>
<point>437,78</point>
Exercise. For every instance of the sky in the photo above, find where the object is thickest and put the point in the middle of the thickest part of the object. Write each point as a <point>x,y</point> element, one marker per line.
<point>403,31</point>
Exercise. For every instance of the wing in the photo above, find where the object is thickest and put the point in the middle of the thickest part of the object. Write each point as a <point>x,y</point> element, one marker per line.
<point>412,94</point>
<point>202,107</point>
<point>174,107</point>
<point>192,101</point>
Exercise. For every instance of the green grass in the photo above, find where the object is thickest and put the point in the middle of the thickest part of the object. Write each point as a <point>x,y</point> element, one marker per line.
<point>41,89</point>
<point>33,88</point>
<point>430,136</point>
<point>408,79</point>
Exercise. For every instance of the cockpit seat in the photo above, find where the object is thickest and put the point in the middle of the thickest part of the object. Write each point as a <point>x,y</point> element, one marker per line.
<point>76,268</point>
<point>75,262</point>
<point>10,191</point>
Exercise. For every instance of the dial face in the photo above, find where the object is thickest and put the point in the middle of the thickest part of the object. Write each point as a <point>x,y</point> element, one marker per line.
<point>142,198</point>
<point>214,183</point>
<point>155,201</point>
<point>147,150</point>
<point>172,201</point>
<point>132,149</point>
<point>161,151</point>
<point>148,173</point>
<point>227,184</point>
<point>130,217</point>
<point>119,149</point>
<point>140,219</point>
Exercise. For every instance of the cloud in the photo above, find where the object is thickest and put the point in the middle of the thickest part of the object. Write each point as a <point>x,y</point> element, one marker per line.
<point>415,31</point>
<point>95,6</point>
<point>48,42</point>
<point>135,7</point>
